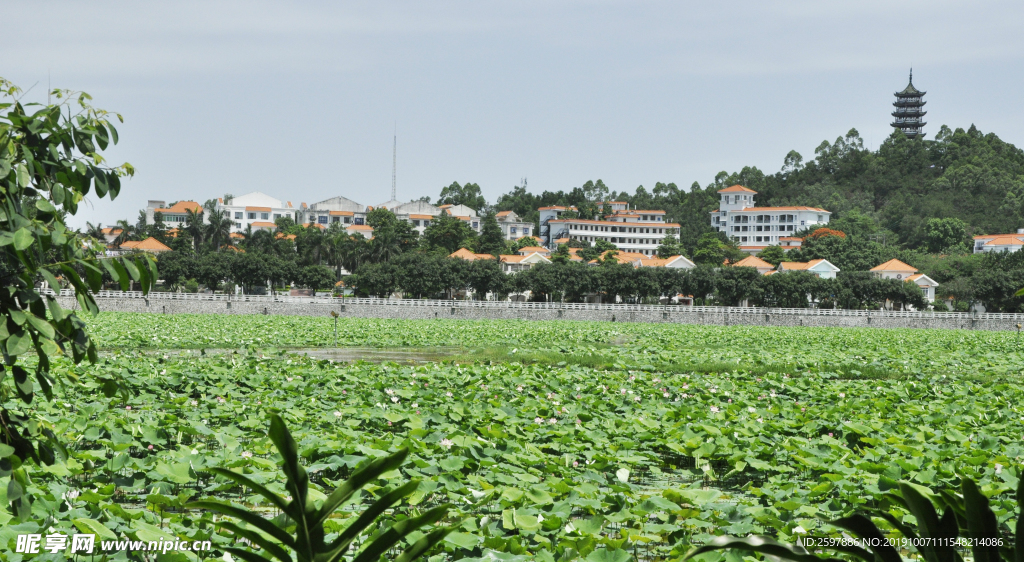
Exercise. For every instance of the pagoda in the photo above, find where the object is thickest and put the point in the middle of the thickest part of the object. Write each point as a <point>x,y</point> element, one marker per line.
<point>910,110</point>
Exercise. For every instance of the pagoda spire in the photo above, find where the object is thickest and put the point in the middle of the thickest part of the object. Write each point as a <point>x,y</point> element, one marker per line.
<point>909,113</point>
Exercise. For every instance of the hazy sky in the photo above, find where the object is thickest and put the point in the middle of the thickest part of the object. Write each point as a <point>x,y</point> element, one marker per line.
<point>300,99</point>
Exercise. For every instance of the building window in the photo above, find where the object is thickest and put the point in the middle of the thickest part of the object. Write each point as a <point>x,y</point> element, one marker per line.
<point>426,223</point>
<point>336,219</point>
<point>252,216</point>
<point>526,232</point>
<point>321,220</point>
<point>820,218</point>
<point>238,214</point>
<point>265,216</point>
<point>512,230</point>
<point>238,224</point>
<point>277,216</point>
<point>347,220</point>
<point>359,220</point>
<point>476,225</point>
<point>416,222</point>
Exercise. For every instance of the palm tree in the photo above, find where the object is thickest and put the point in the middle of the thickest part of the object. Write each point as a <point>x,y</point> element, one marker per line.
<point>94,231</point>
<point>218,231</point>
<point>246,236</point>
<point>128,232</point>
<point>194,226</point>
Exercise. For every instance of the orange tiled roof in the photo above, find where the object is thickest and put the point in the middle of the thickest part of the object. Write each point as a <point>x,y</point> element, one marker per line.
<point>736,189</point>
<point>1006,240</point>
<point>753,261</point>
<point>534,250</point>
<point>791,238</point>
<point>613,223</point>
<point>258,209</point>
<point>181,207</point>
<point>762,209</point>
<point>511,259</point>
<point>264,224</point>
<point>148,245</point>
<point>357,227</point>
<point>342,213</point>
<point>421,217</point>
<point>894,265</point>
<point>463,253</point>
<point>503,214</point>
<point>320,226</point>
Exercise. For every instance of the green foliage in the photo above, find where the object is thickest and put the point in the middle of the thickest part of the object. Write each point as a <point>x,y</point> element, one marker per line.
<point>49,162</point>
<point>316,277</point>
<point>773,255</point>
<point>491,240</point>
<point>640,473</point>
<point>308,543</point>
<point>967,519</point>
<point>468,195</point>
<point>448,233</point>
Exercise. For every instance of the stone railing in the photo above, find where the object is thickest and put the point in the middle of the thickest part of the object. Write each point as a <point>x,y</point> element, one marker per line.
<point>471,304</point>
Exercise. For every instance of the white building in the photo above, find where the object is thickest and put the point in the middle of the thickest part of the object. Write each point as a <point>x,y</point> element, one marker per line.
<point>632,231</point>
<point>465,214</point>
<point>999,242</point>
<point>513,227</point>
<point>895,269</point>
<point>756,228</point>
<point>255,207</point>
<point>173,216</point>
<point>341,210</point>
<point>821,268</point>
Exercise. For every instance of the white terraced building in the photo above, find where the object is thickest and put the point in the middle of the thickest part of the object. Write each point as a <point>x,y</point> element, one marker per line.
<point>756,228</point>
<point>512,227</point>
<point>255,209</point>
<point>631,230</point>
<point>341,210</point>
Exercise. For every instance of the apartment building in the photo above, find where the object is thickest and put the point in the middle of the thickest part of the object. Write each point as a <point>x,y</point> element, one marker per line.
<point>632,231</point>
<point>756,228</point>
<point>255,207</point>
<point>513,227</point>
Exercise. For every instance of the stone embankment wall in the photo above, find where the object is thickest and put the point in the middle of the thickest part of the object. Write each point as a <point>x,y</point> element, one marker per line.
<point>682,316</point>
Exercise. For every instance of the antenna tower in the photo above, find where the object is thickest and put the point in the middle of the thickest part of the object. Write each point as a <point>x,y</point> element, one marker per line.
<point>394,164</point>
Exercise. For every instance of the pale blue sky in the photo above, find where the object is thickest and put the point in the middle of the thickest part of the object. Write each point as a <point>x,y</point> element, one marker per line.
<point>299,99</point>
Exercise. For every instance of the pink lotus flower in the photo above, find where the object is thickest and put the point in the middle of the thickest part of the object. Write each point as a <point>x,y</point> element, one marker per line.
<point>150,447</point>
<point>127,407</point>
<point>575,464</point>
<point>830,434</point>
<point>344,392</point>
<point>578,421</point>
<point>803,409</point>
<point>623,391</point>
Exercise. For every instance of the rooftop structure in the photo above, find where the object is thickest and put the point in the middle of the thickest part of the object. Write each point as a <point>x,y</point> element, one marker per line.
<point>756,228</point>
<point>512,226</point>
<point>909,113</point>
<point>762,266</point>
<point>173,215</point>
<point>821,268</point>
<point>254,207</point>
<point>999,242</point>
<point>895,269</point>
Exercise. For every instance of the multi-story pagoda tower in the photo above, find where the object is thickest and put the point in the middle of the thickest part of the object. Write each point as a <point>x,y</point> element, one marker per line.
<point>910,111</point>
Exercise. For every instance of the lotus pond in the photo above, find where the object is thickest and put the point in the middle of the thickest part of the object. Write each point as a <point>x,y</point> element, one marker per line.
<point>555,441</point>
